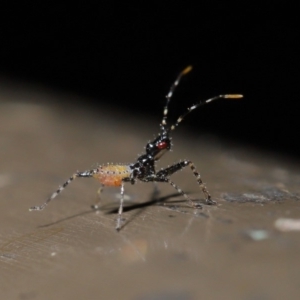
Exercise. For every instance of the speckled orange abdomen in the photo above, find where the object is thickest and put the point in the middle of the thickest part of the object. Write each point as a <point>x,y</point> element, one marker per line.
<point>112,175</point>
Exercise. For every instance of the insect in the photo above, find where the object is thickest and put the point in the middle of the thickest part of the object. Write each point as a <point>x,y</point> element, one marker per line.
<point>144,168</point>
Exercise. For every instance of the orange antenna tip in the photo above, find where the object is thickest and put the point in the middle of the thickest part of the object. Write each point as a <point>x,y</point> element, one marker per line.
<point>233,96</point>
<point>187,70</point>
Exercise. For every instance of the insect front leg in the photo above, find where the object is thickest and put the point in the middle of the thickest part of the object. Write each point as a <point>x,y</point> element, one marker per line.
<point>163,176</point>
<point>165,173</point>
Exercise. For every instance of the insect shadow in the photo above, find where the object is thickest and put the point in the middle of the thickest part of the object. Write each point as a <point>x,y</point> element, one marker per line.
<point>134,206</point>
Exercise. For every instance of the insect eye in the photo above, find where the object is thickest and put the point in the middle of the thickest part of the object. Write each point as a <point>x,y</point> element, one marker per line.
<point>162,145</point>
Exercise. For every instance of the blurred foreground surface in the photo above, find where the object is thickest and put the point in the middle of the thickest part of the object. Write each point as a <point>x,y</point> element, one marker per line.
<point>246,247</point>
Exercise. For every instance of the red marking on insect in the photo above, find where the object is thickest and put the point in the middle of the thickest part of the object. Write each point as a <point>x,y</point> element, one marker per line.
<point>144,167</point>
<point>162,145</point>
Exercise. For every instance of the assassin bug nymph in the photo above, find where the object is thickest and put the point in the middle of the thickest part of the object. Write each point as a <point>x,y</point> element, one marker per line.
<point>144,168</point>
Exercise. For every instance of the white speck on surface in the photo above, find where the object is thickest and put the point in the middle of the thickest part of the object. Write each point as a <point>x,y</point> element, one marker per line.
<point>258,235</point>
<point>285,224</point>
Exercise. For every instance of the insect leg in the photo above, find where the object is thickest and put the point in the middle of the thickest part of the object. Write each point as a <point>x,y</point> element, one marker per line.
<point>61,188</point>
<point>179,190</point>
<point>201,184</point>
<point>119,219</point>
<point>178,166</point>
<point>96,205</point>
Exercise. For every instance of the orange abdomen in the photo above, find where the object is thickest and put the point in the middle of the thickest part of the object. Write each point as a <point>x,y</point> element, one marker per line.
<point>112,175</point>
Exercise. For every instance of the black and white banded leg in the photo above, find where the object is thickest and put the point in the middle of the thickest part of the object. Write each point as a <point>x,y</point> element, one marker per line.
<point>180,191</point>
<point>165,173</point>
<point>61,188</point>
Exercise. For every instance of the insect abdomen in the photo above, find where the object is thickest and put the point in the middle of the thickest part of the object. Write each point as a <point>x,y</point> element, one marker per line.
<point>112,175</point>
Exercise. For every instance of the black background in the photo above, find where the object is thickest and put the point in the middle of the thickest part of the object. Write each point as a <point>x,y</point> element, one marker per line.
<point>128,55</point>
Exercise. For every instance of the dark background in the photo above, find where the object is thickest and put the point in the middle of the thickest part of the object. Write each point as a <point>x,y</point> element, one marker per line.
<point>128,55</point>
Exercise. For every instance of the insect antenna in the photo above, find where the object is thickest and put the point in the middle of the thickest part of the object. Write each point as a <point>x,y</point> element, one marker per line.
<point>193,107</point>
<point>169,96</point>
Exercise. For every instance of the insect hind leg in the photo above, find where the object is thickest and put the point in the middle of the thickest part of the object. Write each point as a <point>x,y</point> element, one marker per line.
<point>61,188</point>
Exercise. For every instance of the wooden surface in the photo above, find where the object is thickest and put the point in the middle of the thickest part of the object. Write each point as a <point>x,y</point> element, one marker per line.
<point>166,250</point>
